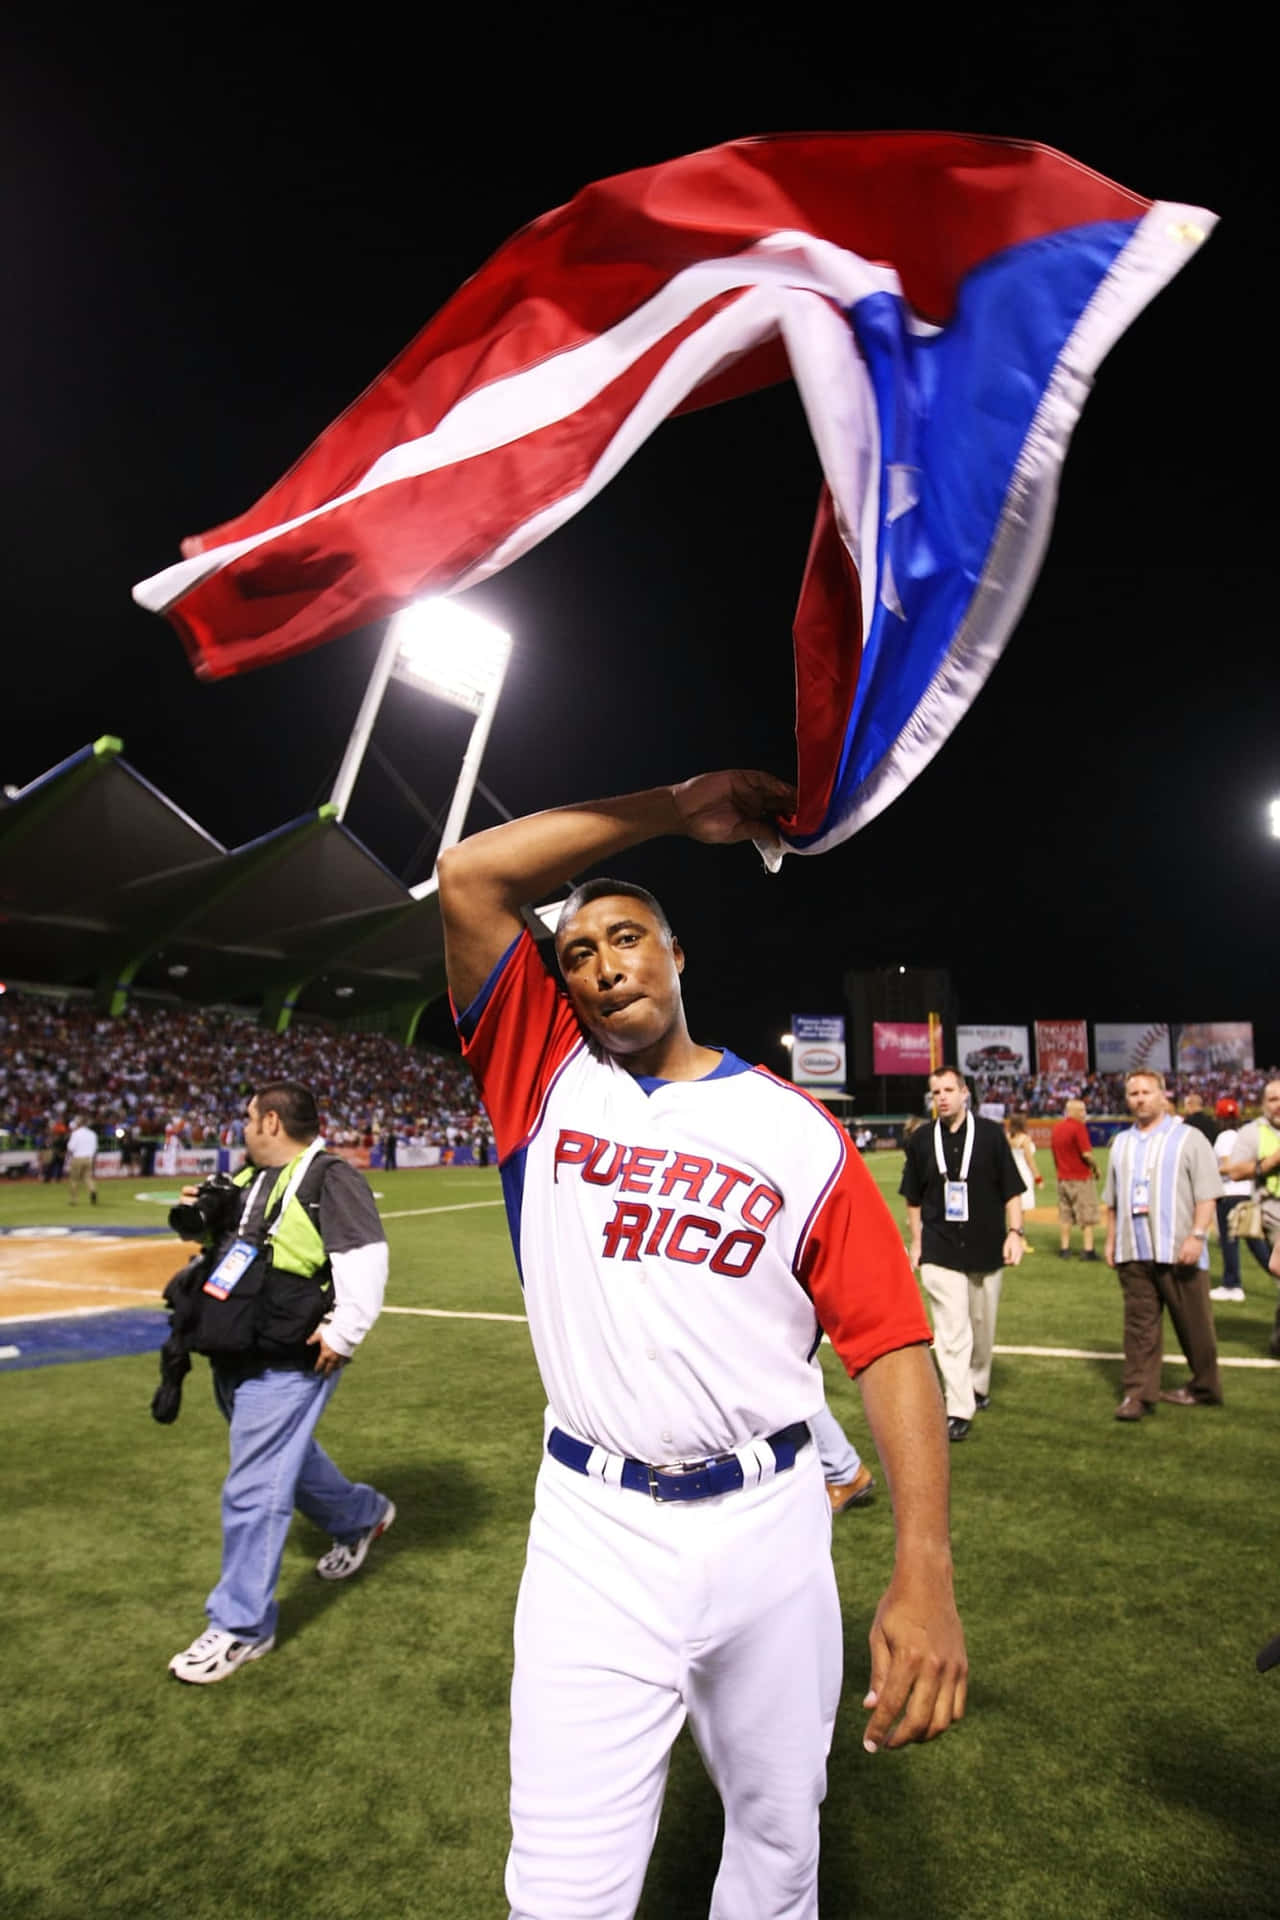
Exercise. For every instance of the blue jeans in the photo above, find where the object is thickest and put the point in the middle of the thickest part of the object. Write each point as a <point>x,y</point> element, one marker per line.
<point>839,1456</point>
<point>276,1465</point>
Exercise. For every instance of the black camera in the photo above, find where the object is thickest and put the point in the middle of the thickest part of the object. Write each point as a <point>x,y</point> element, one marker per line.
<point>215,1211</point>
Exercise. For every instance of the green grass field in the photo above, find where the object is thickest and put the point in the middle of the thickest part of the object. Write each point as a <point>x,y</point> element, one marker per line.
<point>1119,1755</point>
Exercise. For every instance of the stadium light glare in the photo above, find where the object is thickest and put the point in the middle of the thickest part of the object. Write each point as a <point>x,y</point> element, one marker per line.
<point>451,652</point>
<point>1273,814</point>
<point>786,1040</point>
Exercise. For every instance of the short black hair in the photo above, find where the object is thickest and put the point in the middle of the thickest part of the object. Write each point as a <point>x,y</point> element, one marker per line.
<point>601,889</point>
<point>293,1105</point>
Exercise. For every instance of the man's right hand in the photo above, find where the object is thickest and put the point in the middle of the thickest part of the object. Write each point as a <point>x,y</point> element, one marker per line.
<point>736,804</point>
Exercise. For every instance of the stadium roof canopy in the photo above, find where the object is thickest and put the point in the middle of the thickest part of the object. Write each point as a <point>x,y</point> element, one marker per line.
<point>105,884</point>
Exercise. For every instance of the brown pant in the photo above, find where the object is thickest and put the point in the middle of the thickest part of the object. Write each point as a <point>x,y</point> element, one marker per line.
<point>1148,1288</point>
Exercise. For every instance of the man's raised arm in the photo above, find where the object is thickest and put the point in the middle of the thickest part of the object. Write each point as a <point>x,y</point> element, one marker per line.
<point>485,880</point>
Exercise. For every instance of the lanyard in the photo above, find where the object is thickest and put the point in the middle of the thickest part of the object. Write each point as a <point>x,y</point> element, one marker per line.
<point>295,1181</point>
<point>965,1157</point>
<point>1153,1142</point>
<point>249,1200</point>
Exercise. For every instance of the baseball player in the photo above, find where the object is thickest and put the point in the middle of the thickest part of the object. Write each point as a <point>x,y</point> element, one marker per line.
<point>685,1226</point>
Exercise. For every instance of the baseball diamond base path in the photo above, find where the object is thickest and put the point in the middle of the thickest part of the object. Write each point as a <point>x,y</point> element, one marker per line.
<point>83,1273</point>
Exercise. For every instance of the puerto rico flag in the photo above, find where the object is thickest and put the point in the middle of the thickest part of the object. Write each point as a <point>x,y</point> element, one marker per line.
<point>941,302</point>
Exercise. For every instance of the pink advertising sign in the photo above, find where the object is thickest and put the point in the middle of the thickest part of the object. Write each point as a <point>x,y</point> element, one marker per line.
<point>900,1046</point>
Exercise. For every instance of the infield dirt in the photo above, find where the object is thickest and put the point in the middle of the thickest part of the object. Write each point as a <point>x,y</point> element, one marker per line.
<point>67,1273</point>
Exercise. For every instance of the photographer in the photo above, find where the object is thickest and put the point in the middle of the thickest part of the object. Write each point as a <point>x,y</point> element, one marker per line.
<point>291,1281</point>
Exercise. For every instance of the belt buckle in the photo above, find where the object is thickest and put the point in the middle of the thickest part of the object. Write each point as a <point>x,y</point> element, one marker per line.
<point>655,1491</point>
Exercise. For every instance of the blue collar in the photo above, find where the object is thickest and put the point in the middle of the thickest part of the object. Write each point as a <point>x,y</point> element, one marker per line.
<point>727,1065</point>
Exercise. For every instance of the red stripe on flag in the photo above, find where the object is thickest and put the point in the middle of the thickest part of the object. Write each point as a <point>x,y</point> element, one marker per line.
<point>828,646</point>
<point>364,559</point>
<point>931,204</point>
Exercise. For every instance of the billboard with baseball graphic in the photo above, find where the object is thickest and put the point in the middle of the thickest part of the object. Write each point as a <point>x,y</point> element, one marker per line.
<point>1125,1046</point>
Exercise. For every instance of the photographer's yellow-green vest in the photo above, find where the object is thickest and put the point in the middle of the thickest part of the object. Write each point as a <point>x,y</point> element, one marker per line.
<point>296,1246</point>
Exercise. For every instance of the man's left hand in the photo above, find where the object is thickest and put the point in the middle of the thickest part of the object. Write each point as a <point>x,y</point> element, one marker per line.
<point>919,1668</point>
<point>327,1361</point>
<point>1190,1250</point>
<point>1014,1248</point>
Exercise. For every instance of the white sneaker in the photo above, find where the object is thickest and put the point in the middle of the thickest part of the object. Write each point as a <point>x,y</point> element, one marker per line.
<point>216,1654</point>
<point>342,1561</point>
<point>1235,1294</point>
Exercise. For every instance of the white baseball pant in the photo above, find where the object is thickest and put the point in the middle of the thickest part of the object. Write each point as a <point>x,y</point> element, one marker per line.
<point>633,1614</point>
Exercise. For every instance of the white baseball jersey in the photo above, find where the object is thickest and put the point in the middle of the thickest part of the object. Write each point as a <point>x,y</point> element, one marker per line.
<point>681,1243</point>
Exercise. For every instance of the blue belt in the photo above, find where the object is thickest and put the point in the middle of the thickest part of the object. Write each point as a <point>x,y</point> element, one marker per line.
<point>702,1481</point>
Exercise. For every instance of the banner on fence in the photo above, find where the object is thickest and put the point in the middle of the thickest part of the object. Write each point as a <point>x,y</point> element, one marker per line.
<point>1215,1046</point>
<point>901,1046</point>
<point>992,1053</point>
<point>818,1050</point>
<point>1124,1047</point>
<point>1062,1046</point>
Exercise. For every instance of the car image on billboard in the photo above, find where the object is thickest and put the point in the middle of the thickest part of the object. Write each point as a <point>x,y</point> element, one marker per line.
<point>992,1059</point>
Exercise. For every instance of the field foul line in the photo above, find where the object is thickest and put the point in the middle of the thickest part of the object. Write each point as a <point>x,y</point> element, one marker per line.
<point>1030,1353</point>
<point>462,1206</point>
<point>1086,1353</point>
<point>62,1313</point>
<point>449,1313</point>
<point>10,1280</point>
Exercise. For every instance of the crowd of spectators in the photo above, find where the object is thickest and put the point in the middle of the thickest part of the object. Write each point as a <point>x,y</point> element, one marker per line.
<point>1043,1095</point>
<point>181,1075</point>
<point>160,1074</point>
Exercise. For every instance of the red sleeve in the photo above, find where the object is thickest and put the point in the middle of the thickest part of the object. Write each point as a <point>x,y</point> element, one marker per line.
<point>855,1268</point>
<point>516,1034</point>
<point>1083,1141</point>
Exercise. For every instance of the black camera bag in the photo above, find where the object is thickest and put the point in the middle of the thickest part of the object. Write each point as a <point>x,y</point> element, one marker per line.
<point>231,1325</point>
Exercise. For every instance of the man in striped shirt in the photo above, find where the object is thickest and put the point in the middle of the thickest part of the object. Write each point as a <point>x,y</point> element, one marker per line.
<point>1162,1183</point>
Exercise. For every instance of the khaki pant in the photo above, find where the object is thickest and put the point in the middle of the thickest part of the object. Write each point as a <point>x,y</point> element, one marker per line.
<point>80,1175</point>
<point>964,1307</point>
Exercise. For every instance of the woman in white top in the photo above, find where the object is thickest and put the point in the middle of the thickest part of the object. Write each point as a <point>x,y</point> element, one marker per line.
<point>1023,1149</point>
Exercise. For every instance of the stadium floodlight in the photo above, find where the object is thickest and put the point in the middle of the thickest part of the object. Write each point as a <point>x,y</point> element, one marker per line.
<point>786,1040</point>
<point>443,649</point>
<point>451,652</point>
<point>1273,814</point>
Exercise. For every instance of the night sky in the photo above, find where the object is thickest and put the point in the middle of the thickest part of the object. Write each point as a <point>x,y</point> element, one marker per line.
<point>220,227</point>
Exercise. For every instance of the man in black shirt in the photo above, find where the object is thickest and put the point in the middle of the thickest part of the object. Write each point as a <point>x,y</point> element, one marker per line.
<point>964,1202</point>
<point>1196,1115</point>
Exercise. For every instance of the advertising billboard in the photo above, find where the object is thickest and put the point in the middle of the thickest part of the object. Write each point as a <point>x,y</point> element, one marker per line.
<point>1122,1047</point>
<point>818,1050</point>
<point>1215,1046</point>
<point>900,1046</point>
<point>1062,1046</point>
<point>992,1053</point>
